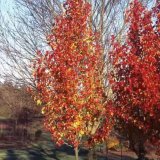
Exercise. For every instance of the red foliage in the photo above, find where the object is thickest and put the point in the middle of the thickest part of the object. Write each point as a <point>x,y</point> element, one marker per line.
<point>135,78</point>
<point>68,79</point>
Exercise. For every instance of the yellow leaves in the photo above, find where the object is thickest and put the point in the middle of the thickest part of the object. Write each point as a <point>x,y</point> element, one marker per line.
<point>53,127</point>
<point>78,100</point>
<point>76,124</point>
<point>62,134</point>
<point>112,142</point>
<point>39,102</point>
<point>75,97</point>
<point>70,80</point>
<point>91,50</point>
<point>73,46</point>
<point>87,113</point>
<point>81,133</point>
<point>69,70</point>
<point>82,102</point>
<point>43,110</point>
<point>88,39</point>
<point>78,121</point>
<point>48,103</point>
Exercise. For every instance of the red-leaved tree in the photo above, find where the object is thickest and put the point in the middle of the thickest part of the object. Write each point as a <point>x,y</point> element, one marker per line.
<point>135,77</point>
<point>68,80</point>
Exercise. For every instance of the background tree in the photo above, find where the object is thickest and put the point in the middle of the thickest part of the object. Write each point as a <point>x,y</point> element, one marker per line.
<point>24,29</point>
<point>135,77</point>
<point>68,80</point>
<point>18,106</point>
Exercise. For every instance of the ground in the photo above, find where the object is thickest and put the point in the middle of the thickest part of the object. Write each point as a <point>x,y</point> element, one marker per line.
<point>45,150</point>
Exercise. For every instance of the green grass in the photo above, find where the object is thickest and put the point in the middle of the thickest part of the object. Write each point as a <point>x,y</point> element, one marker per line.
<point>35,154</point>
<point>3,154</point>
<point>42,150</point>
<point>3,118</point>
<point>64,156</point>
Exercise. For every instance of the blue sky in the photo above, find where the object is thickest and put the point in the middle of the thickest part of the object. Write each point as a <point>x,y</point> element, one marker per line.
<point>6,5</point>
<point>7,9</point>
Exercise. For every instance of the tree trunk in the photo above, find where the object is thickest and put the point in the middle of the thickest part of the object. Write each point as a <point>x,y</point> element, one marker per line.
<point>76,153</point>
<point>141,152</point>
<point>106,149</point>
<point>92,154</point>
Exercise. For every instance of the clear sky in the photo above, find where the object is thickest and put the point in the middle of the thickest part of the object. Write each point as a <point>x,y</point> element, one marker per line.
<point>7,8</point>
<point>6,5</point>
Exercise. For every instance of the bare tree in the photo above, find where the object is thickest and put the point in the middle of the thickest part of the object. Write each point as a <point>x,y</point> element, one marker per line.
<point>25,31</point>
<point>17,105</point>
<point>15,98</point>
<point>23,34</point>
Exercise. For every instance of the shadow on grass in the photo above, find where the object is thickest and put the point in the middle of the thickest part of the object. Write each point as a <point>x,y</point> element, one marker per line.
<point>70,151</point>
<point>11,155</point>
<point>84,153</point>
<point>40,154</point>
<point>114,156</point>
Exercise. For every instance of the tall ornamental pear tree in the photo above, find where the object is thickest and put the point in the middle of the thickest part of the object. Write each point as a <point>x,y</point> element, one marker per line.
<point>135,77</point>
<point>68,80</point>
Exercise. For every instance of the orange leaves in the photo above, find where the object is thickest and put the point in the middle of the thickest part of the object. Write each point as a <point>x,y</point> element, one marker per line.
<point>135,77</point>
<point>68,77</point>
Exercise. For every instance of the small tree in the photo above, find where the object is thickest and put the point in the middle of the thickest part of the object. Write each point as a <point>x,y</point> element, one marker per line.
<point>135,77</point>
<point>68,80</point>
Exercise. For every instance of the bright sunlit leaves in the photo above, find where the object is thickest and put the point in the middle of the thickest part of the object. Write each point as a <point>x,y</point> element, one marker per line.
<point>39,102</point>
<point>68,79</point>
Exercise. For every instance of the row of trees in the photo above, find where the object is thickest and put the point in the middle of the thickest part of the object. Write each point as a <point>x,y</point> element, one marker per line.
<point>14,99</point>
<point>71,78</point>
<point>17,110</point>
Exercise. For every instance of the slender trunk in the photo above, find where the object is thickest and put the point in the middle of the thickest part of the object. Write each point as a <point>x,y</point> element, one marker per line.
<point>121,149</point>
<point>106,148</point>
<point>92,154</point>
<point>76,153</point>
<point>141,151</point>
<point>1,130</point>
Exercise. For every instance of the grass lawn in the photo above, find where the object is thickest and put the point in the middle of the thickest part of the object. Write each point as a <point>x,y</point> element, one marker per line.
<point>46,151</point>
<point>42,150</point>
<point>36,152</point>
